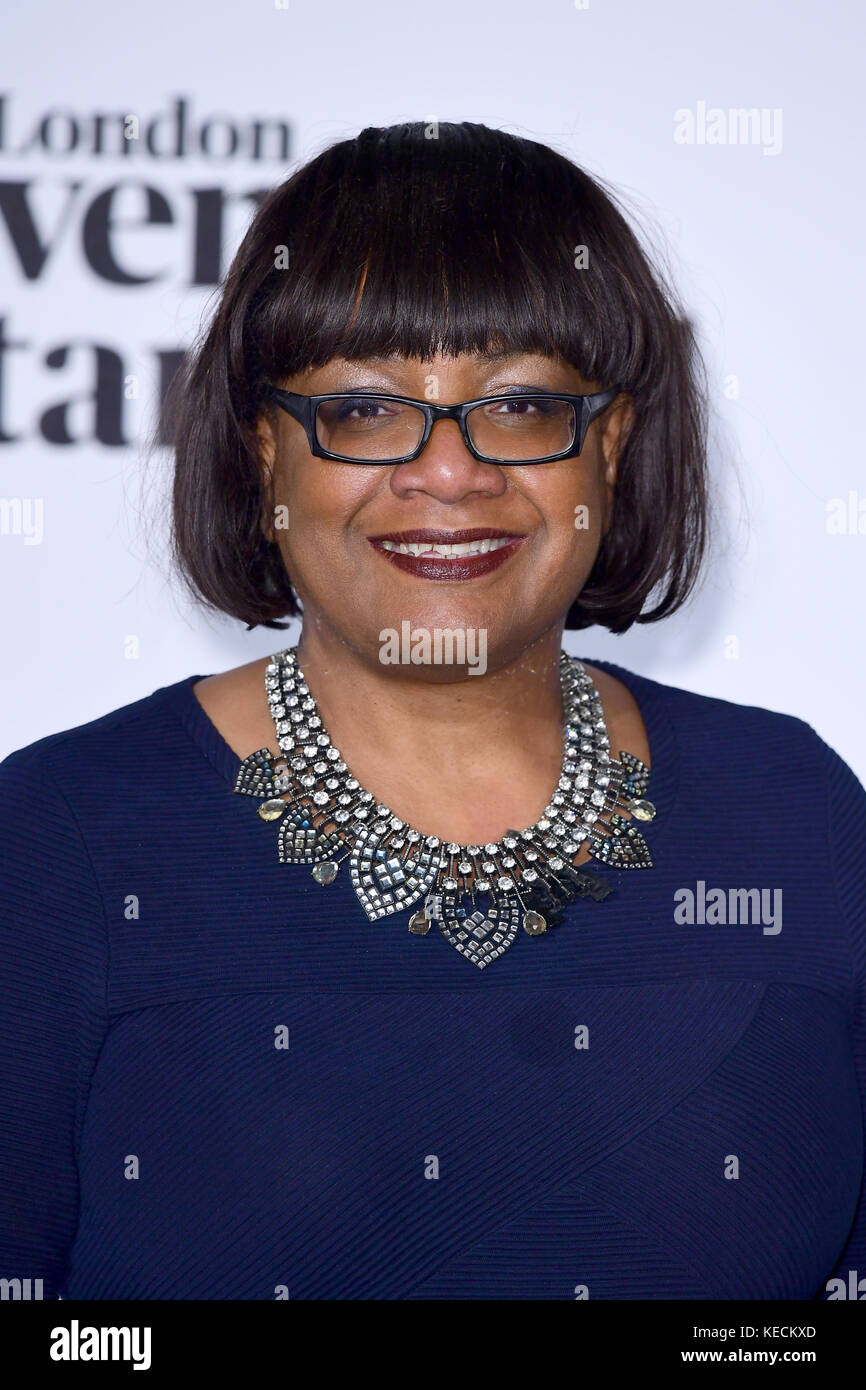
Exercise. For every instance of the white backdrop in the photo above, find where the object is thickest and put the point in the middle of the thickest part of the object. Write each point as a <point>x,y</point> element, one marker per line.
<point>763,230</point>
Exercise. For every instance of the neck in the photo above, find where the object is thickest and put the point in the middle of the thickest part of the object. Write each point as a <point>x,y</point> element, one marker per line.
<point>465,759</point>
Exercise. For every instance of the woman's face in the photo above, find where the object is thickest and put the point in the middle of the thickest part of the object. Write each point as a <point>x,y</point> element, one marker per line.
<point>339,525</point>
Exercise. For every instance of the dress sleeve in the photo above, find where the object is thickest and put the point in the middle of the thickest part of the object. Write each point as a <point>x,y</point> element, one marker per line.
<point>53,984</point>
<point>847,831</point>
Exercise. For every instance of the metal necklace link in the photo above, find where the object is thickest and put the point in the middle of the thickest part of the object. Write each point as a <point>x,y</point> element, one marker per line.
<point>479,895</point>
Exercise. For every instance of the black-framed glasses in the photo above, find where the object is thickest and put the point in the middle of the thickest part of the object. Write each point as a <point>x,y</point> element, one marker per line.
<point>376,428</point>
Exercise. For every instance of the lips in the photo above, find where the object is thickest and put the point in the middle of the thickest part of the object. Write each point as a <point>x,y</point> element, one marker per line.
<point>448,555</point>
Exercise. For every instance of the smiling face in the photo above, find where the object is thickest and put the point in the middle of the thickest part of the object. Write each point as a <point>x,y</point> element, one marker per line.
<point>444,541</point>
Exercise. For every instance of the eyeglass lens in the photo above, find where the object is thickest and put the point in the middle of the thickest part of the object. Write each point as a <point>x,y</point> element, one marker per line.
<point>520,428</point>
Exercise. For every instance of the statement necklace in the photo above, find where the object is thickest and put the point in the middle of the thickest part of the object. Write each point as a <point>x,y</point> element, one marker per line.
<point>479,895</point>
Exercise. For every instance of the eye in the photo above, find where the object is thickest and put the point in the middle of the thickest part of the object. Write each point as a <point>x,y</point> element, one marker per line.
<point>525,407</point>
<point>359,407</point>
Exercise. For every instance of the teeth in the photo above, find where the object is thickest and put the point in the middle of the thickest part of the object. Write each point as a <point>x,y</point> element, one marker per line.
<point>417,548</point>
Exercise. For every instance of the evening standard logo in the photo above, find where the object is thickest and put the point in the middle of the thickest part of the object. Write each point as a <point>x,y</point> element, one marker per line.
<point>103,187</point>
<point>75,1343</point>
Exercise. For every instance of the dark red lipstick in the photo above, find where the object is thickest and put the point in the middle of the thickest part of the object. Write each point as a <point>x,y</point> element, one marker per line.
<point>427,553</point>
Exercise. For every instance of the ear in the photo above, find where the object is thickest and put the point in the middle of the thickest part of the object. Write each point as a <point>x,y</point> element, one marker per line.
<point>266,448</point>
<point>617,424</point>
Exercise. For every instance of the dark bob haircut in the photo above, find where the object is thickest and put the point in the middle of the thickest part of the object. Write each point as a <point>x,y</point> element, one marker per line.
<point>460,237</point>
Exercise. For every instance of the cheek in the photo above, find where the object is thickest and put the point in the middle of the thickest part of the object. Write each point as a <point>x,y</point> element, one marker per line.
<point>572,506</point>
<point>320,501</point>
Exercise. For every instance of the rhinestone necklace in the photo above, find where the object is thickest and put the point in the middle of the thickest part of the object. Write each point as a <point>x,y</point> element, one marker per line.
<point>479,895</point>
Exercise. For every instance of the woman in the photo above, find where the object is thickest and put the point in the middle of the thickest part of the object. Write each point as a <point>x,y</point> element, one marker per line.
<point>502,975</point>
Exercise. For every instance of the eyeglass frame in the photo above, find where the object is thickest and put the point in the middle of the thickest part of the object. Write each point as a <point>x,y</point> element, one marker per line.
<point>304,408</point>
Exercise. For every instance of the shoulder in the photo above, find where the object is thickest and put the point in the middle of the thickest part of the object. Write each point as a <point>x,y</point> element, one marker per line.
<point>705,718</point>
<point>726,736</point>
<point>95,751</point>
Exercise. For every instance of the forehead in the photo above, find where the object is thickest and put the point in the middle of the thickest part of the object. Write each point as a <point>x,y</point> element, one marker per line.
<point>488,358</point>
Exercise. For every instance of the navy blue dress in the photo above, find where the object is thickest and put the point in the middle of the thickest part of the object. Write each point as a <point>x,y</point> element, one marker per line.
<point>221,1081</point>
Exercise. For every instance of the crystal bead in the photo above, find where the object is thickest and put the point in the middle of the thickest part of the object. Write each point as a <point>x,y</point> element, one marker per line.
<point>419,923</point>
<point>272,809</point>
<point>644,810</point>
<point>325,873</point>
<point>534,923</point>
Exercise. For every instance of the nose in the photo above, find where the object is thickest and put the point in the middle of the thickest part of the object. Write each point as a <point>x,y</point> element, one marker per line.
<point>446,471</point>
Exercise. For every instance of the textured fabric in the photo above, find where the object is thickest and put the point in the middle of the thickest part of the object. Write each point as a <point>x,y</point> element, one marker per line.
<point>630,1106</point>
